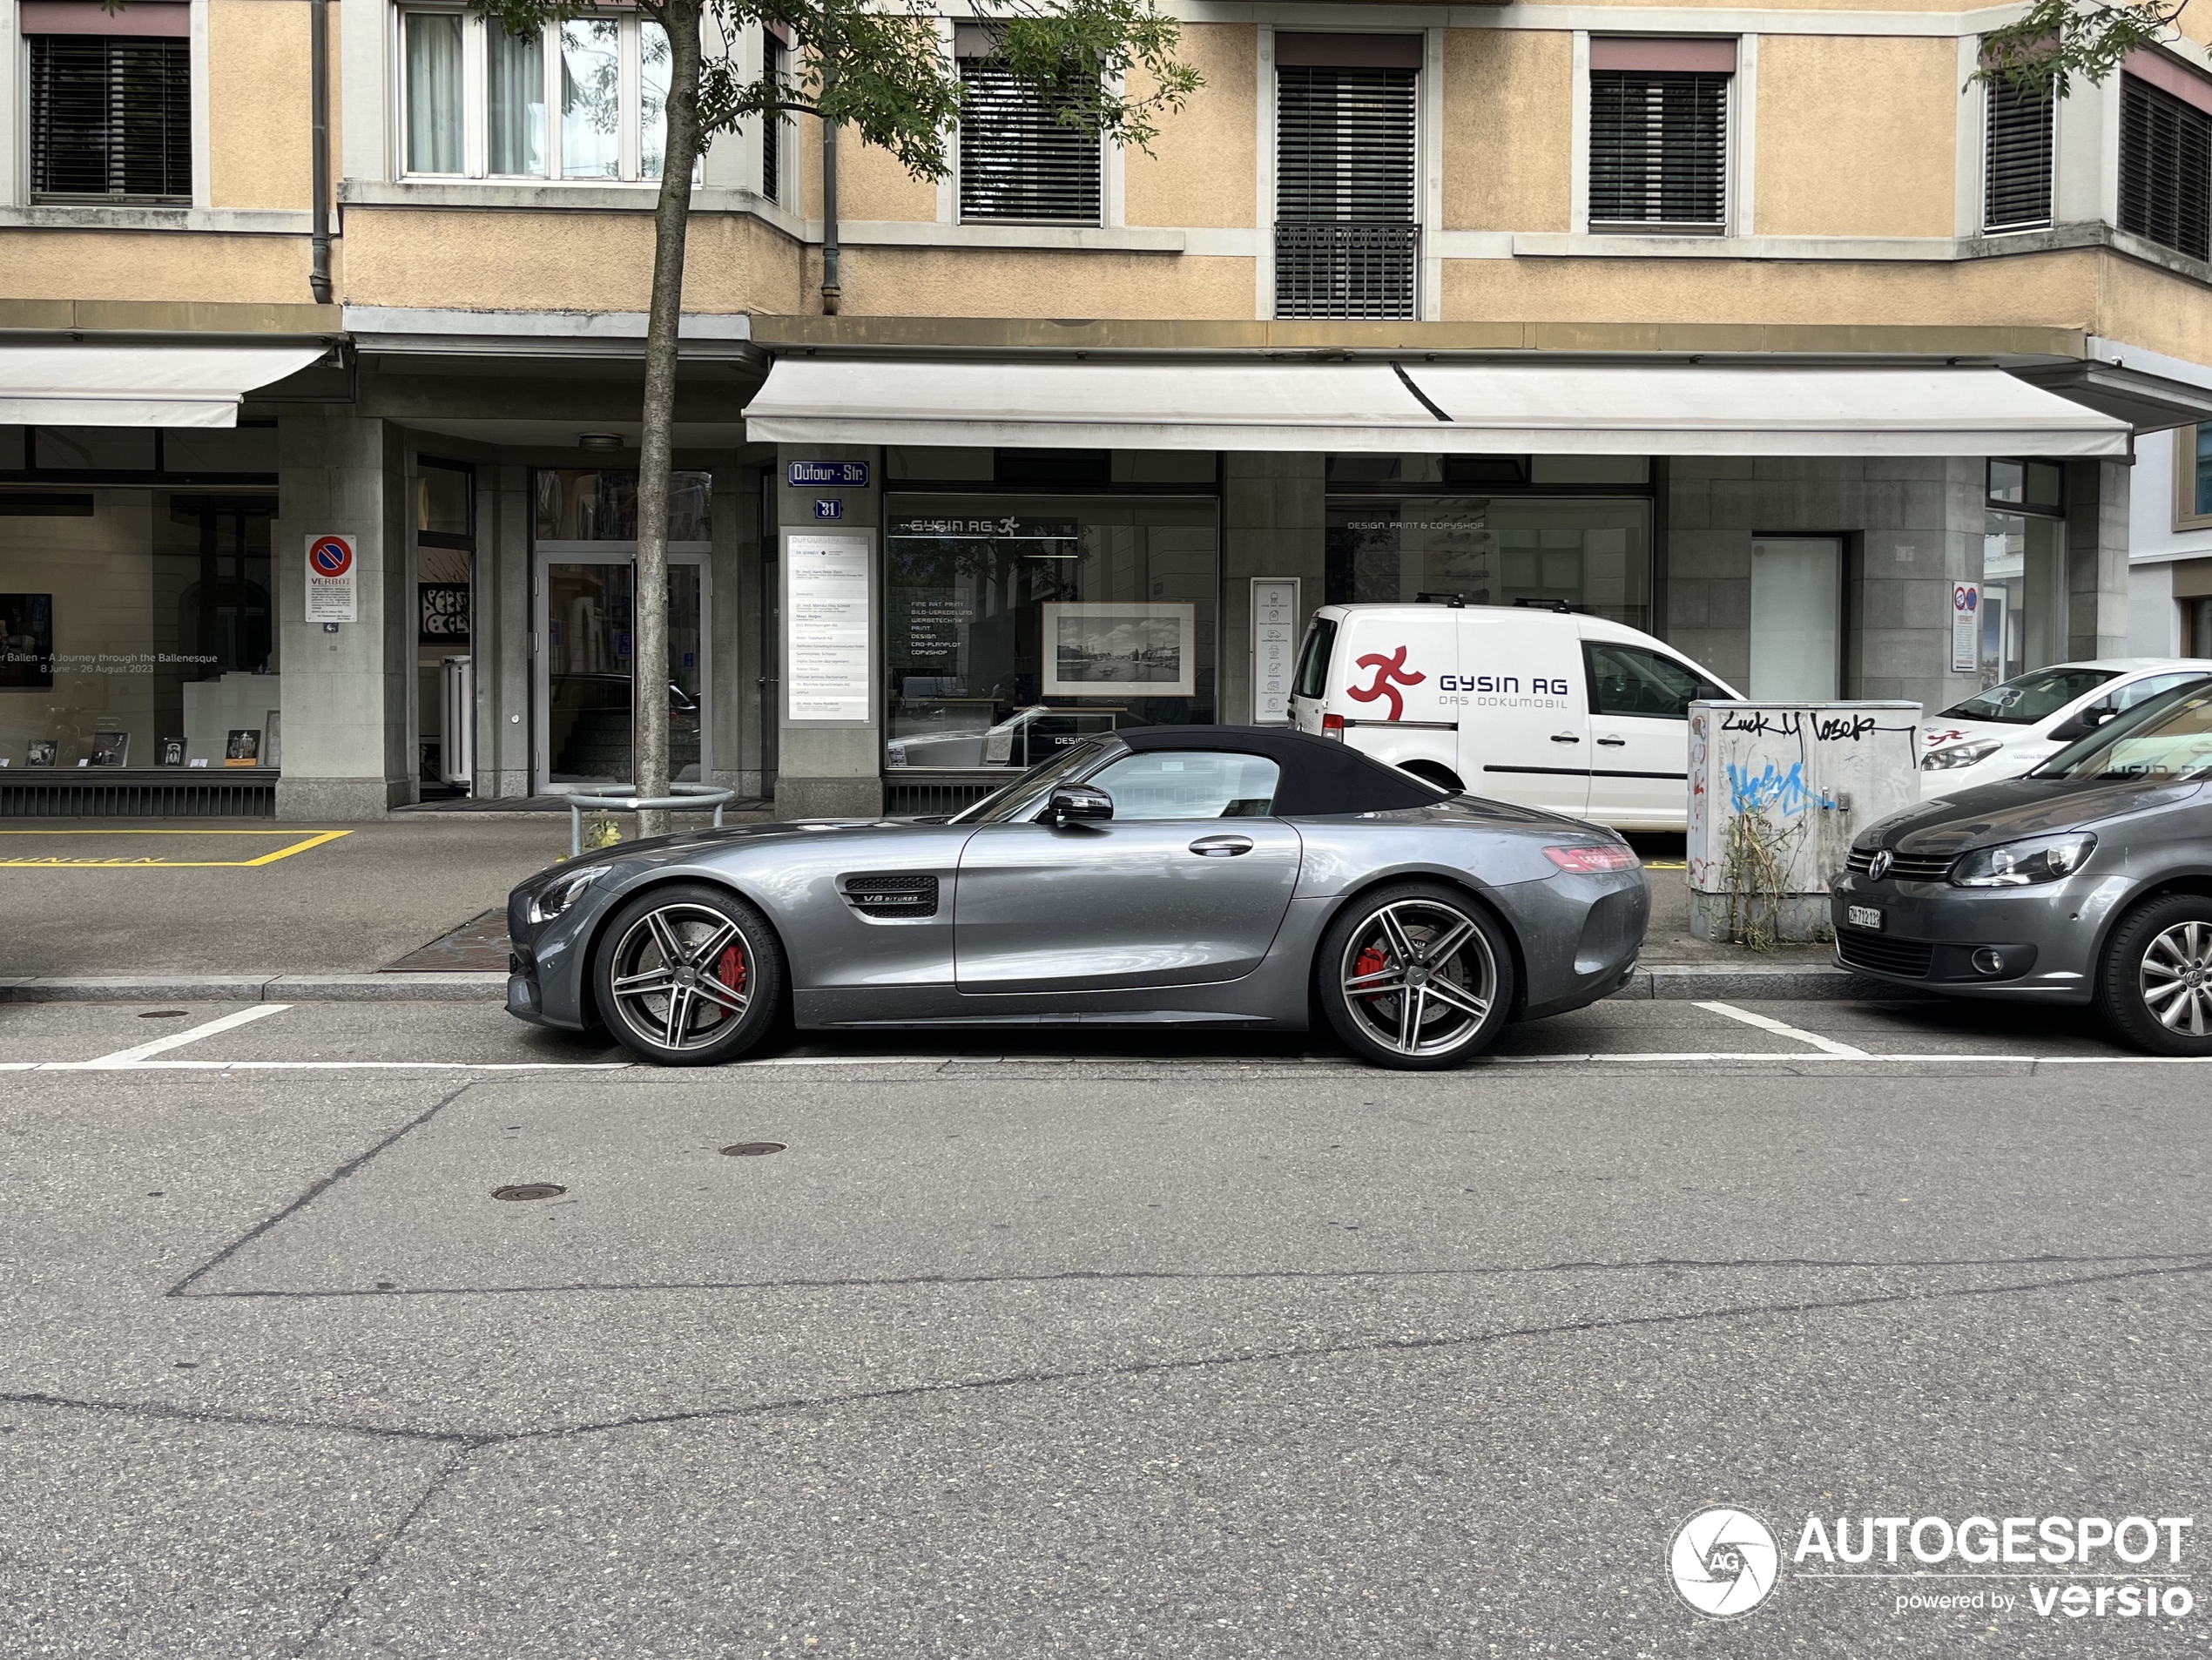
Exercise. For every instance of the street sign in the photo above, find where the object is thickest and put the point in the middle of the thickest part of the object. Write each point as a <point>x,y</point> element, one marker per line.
<point>1965,627</point>
<point>827,475</point>
<point>330,595</point>
<point>828,507</point>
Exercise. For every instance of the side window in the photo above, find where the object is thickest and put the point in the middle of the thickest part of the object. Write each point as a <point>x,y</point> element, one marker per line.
<point>1628,680</point>
<point>1313,660</point>
<point>2128,697</point>
<point>1192,783</point>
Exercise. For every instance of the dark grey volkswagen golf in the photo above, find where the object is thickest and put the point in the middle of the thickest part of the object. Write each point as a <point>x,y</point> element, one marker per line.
<point>2089,881</point>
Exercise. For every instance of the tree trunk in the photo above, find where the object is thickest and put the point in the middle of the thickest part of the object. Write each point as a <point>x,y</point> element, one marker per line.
<point>649,662</point>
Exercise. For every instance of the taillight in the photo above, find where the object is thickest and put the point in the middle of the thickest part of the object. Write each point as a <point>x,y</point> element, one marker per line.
<point>1332,727</point>
<point>1585,860</point>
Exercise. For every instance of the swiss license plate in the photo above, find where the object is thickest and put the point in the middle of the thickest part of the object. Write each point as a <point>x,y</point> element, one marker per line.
<point>1863,916</point>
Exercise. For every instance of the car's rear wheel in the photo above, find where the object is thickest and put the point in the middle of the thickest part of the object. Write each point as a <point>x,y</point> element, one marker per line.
<point>2155,988</point>
<point>688,976</point>
<point>1416,977</point>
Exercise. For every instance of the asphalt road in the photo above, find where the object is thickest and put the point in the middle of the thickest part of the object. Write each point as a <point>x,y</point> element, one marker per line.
<point>1212,1347</point>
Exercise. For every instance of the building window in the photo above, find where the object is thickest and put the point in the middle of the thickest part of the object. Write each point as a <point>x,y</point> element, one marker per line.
<point>586,98</point>
<point>2192,478</point>
<point>1019,161</point>
<point>1659,126</point>
<point>111,118</point>
<point>1347,239</point>
<point>2016,159</point>
<point>773,60</point>
<point>2024,620</point>
<point>2166,162</point>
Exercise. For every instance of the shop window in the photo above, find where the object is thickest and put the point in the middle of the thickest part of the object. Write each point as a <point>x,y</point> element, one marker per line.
<point>1017,626</point>
<point>2024,620</point>
<point>583,98</point>
<point>110,115</point>
<point>143,455</point>
<point>1347,239</point>
<point>1022,159</point>
<point>2166,162</point>
<point>1659,127</point>
<point>2016,158</point>
<point>445,559</point>
<point>139,632</point>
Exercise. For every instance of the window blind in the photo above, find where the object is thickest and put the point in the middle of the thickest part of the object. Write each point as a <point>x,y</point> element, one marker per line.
<point>2165,168</point>
<point>1658,147</point>
<point>2016,174</point>
<point>1346,243</point>
<point>110,118</point>
<point>771,126</point>
<point>1018,161</point>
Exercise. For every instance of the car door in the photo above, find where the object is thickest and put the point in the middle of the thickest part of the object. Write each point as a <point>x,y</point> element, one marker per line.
<point>1640,735</point>
<point>1187,883</point>
<point>1524,725</point>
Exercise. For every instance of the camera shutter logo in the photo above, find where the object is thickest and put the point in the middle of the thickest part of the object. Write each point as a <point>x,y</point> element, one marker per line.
<point>1724,1562</point>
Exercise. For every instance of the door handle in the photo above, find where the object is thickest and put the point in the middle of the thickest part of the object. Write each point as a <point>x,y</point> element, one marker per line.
<point>1613,743</point>
<point>1565,737</point>
<point>1221,846</point>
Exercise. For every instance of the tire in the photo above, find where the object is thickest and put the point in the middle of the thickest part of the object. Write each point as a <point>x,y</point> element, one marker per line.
<point>2154,985</point>
<point>1360,975</point>
<point>722,993</point>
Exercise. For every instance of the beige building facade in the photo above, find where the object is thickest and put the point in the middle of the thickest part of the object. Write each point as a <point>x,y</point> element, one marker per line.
<point>1518,252</point>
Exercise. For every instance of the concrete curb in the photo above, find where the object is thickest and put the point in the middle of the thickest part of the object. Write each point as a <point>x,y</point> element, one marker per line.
<point>1657,982</point>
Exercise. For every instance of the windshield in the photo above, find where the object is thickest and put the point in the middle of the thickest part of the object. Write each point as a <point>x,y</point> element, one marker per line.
<point>2168,740</point>
<point>1012,800</point>
<point>2031,697</point>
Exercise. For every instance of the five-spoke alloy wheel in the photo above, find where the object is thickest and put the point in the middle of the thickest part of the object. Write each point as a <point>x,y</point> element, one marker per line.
<point>2155,990</point>
<point>1416,977</point>
<point>688,976</point>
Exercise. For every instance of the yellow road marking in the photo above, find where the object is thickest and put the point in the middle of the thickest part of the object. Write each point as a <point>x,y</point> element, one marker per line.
<point>313,839</point>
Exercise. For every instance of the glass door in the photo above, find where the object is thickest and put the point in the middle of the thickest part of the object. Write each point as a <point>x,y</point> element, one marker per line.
<point>586,631</point>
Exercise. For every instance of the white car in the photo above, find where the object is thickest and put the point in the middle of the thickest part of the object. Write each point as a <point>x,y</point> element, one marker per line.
<point>2011,728</point>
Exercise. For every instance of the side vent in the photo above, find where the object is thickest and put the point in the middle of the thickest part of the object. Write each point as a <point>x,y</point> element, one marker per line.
<point>892,895</point>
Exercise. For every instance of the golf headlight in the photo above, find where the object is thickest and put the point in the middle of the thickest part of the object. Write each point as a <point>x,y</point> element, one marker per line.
<point>550,902</point>
<point>2019,863</point>
<point>1942,760</point>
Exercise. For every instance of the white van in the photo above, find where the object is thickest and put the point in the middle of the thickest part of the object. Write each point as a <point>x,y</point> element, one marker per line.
<point>1548,708</point>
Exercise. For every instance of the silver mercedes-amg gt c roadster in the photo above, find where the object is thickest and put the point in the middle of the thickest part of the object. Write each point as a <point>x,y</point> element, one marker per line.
<point>1216,876</point>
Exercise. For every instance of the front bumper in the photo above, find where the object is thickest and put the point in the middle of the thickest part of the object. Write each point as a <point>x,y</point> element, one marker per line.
<point>2038,942</point>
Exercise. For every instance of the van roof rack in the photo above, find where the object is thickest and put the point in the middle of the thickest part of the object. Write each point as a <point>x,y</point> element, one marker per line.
<point>1429,597</point>
<point>1559,605</point>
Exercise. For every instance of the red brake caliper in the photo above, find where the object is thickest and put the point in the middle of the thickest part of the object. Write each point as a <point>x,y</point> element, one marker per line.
<point>1370,961</point>
<point>731,971</point>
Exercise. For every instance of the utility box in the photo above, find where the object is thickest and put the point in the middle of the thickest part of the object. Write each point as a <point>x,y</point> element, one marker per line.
<point>1777,792</point>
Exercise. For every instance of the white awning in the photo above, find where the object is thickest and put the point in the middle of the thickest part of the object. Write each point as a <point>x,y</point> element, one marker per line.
<point>1501,408</point>
<point>139,386</point>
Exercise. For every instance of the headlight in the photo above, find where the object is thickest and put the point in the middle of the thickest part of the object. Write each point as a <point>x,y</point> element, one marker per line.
<point>2018,863</point>
<point>1940,760</point>
<point>549,903</point>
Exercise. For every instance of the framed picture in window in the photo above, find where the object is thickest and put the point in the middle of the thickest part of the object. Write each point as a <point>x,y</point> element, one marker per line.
<point>1120,649</point>
<point>172,751</point>
<point>26,642</point>
<point>243,747</point>
<point>42,752</point>
<point>110,749</point>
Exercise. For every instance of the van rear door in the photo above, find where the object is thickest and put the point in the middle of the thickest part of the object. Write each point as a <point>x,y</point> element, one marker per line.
<point>1524,721</point>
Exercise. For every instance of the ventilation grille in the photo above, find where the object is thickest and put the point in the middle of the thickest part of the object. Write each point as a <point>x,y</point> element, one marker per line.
<point>1018,160</point>
<point>1346,242</point>
<point>137,798</point>
<point>110,118</point>
<point>2017,178</point>
<point>892,895</point>
<point>1906,868</point>
<point>2165,168</point>
<point>1909,959</point>
<point>917,798</point>
<point>1658,147</point>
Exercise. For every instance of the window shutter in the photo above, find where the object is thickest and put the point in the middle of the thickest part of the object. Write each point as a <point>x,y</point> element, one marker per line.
<point>110,118</point>
<point>1347,244</point>
<point>1018,161</point>
<point>2165,168</point>
<point>1658,147</point>
<point>771,126</point>
<point>2017,171</point>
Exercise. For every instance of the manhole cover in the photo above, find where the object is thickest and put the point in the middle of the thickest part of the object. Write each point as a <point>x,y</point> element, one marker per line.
<point>753,1149</point>
<point>528,1190</point>
<point>163,1014</point>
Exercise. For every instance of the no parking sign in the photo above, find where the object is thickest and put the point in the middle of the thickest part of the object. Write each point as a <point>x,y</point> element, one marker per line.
<point>330,580</point>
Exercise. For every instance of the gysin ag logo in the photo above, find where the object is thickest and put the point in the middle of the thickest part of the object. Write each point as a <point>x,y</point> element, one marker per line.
<point>1387,669</point>
<point>1724,1562</point>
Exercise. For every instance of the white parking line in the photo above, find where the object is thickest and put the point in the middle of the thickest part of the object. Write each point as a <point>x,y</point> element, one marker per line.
<point>175,1039</point>
<point>1826,1045</point>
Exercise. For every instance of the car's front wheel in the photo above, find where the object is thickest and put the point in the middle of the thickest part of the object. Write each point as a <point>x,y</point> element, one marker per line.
<point>2155,989</point>
<point>1417,977</point>
<point>688,976</point>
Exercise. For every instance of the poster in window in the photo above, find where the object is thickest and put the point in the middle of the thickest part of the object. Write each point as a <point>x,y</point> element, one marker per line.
<point>42,752</point>
<point>26,642</point>
<point>1116,648</point>
<point>243,747</point>
<point>110,749</point>
<point>444,613</point>
<point>172,751</point>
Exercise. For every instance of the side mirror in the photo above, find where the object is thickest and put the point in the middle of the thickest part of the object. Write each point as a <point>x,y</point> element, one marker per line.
<point>1075,803</point>
<point>2082,724</point>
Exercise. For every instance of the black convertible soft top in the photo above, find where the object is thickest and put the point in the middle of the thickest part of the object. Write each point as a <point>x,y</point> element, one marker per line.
<point>1320,775</point>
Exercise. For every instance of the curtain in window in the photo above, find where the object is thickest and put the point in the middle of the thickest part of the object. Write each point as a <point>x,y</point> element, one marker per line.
<point>515,101</point>
<point>433,93</point>
<point>652,85</point>
<point>590,98</point>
